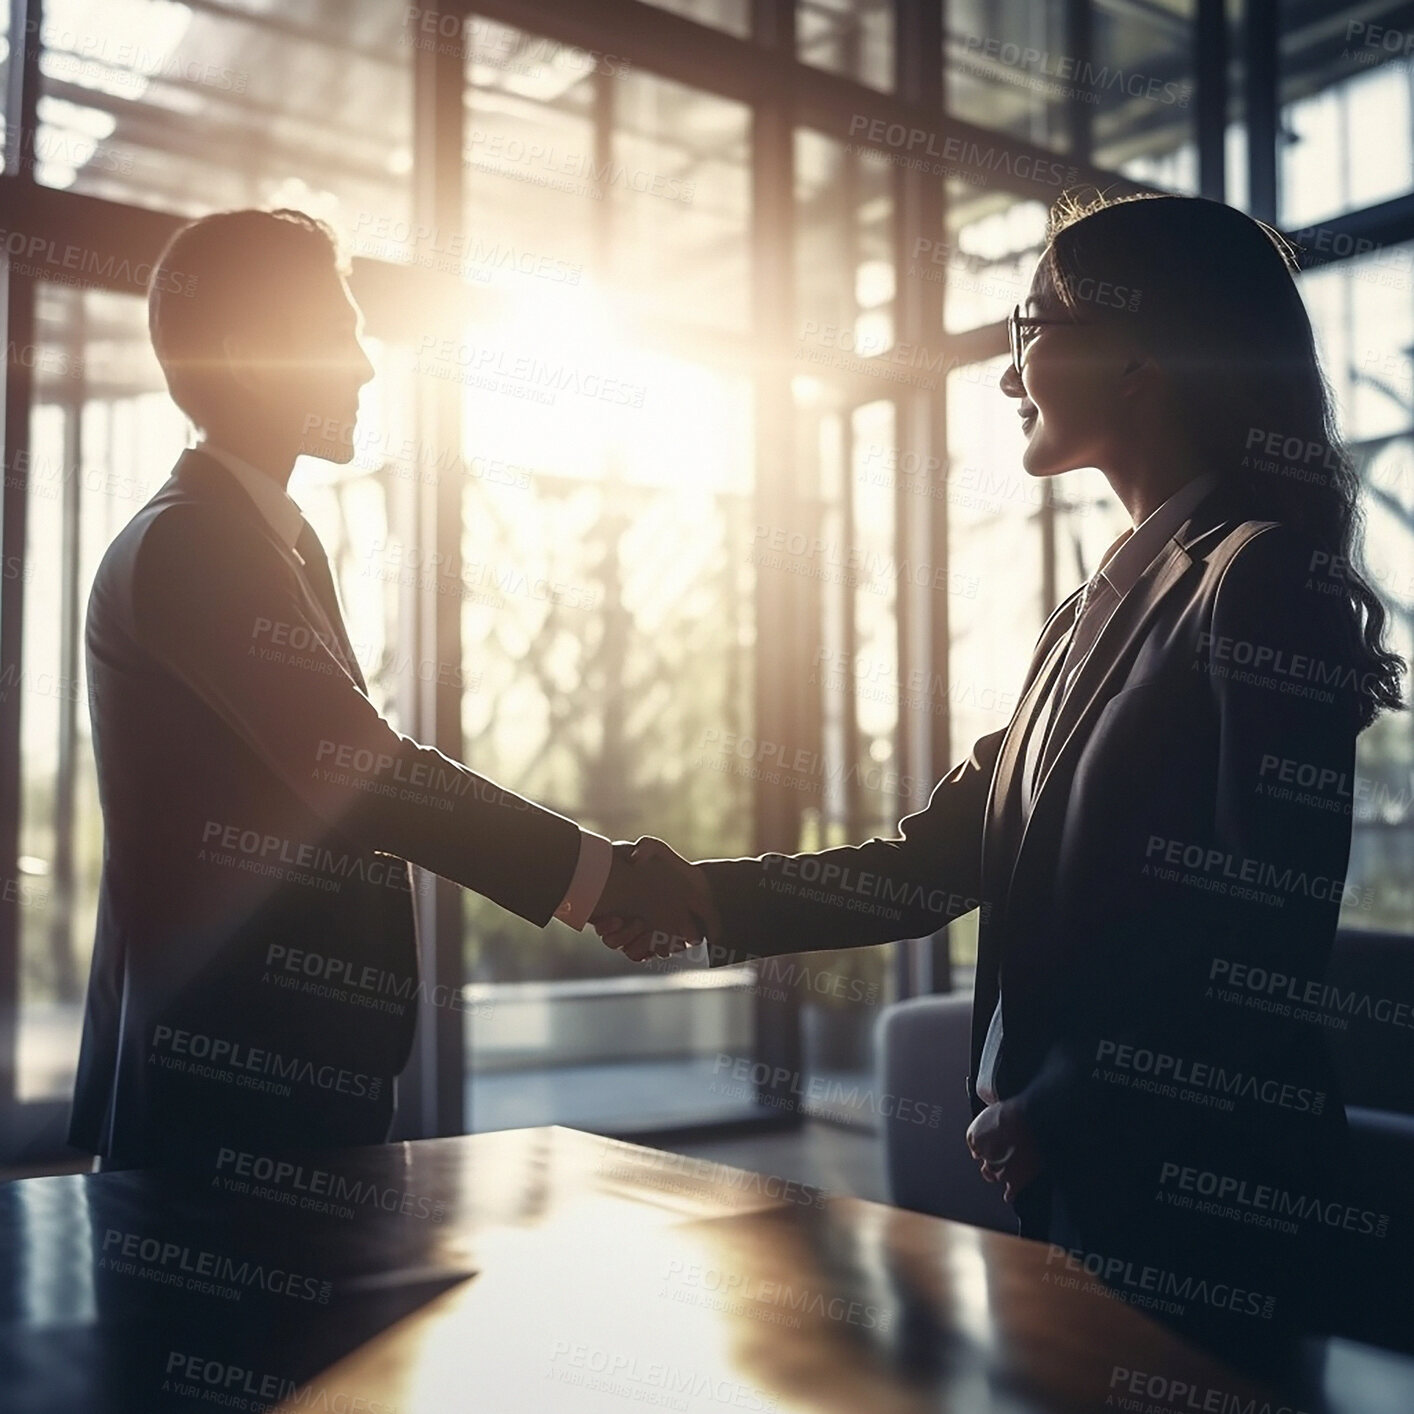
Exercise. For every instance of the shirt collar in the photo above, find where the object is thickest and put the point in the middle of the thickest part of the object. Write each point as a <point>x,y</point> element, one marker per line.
<point>1133,552</point>
<point>271,500</point>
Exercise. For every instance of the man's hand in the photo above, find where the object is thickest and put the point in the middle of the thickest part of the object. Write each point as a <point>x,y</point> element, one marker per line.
<point>1003,1145</point>
<point>655,903</point>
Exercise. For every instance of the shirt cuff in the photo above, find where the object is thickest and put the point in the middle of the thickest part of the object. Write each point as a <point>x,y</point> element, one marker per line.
<point>591,873</point>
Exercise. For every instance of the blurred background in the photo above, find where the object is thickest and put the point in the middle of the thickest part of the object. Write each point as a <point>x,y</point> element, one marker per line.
<point>685,500</point>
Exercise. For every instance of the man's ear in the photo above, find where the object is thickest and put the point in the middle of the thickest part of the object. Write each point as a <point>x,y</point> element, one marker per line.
<point>238,364</point>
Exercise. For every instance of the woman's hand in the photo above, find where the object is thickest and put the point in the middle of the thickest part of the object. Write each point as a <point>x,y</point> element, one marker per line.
<point>1004,1147</point>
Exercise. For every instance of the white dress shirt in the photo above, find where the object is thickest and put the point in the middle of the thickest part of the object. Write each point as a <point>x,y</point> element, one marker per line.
<point>1128,556</point>
<point>596,854</point>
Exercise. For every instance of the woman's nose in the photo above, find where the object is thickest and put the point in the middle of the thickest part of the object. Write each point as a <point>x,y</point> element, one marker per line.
<point>1011,383</point>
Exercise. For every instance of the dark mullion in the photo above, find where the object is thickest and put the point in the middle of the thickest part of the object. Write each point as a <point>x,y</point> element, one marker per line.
<point>849,630</point>
<point>438,108</point>
<point>22,96</point>
<point>19,325</point>
<point>1079,39</point>
<point>781,628</point>
<point>923,627</point>
<point>1259,45</point>
<point>847,206</point>
<point>1210,59</point>
<point>1077,115</point>
<point>19,383</point>
<point>70,629</point>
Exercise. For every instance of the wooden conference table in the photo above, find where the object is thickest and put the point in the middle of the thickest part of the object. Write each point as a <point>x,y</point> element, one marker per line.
<point>546,1271</point>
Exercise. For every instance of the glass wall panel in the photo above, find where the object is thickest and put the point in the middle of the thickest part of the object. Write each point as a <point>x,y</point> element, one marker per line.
<point>734,16</point>
<point>854,38</point>
<point>994,562</point>
<point>1363,311</point>
<point>679,195</point>
<point>198,108</point>
<point>1002,68</point>
<point>845,448</point>
<point>607,587</point>
<point>1015,69</point>
<point>1345,136</point>
<point>1140,85</point>
<point>986,259</point>
<point>846,280</point>
<point>4,65</point>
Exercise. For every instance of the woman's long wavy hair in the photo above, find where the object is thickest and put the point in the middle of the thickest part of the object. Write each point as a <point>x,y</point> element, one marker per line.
<point>1210,290</point>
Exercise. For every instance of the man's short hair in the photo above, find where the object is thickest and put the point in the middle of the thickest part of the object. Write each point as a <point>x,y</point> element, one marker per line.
<point>230,273</point>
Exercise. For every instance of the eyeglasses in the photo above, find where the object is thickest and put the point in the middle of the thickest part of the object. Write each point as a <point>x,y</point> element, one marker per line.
<point>1021,329</point>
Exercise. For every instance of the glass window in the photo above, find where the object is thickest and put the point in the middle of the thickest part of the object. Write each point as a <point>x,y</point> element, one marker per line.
<point>1012,68</point>
<point>994,565</point>
<point>607,589</point>
<point>679,199</point>
<point>986,259</point>
<point>994,550</point>
<point>846,280</point>
<point>528,151</point>
<point>1140,85</point>
<point>599,173</point>
<point>4,66</point>
<point>352,508</point>
<point>854,38</point>
<point>845,451</point>
<point>734,16</point>
<point>1341,85</point>
<point>193,109</point>
<point>1001,64</point>
<point>1364,319</point>
<point>851,783</point>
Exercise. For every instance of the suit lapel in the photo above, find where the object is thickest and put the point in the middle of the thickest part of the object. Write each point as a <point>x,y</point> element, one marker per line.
<point>1009,762</point>
<point>1105,667</point>
<point>1104,664</point>
<point>317,577</point>
<point>1002,797</point>
<point>201,475</point>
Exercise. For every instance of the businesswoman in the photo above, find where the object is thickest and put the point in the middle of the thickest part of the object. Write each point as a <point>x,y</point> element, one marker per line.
<point>1143,855</point>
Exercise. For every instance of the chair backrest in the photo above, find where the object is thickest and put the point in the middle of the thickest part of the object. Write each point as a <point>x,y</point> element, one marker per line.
<point>1371,982</point>
<point>1369,1276</point>
<point>923,1053</point>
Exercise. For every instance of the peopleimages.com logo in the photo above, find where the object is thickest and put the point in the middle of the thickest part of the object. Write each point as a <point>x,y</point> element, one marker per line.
<point>254,1067</point>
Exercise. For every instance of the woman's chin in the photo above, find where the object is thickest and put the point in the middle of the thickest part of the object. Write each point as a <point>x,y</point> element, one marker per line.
<point>1034,462</point>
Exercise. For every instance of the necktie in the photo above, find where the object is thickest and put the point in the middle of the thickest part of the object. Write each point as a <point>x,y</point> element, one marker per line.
<point>321,581</point>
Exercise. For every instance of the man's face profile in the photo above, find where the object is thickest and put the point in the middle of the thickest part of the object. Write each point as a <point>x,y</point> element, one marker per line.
<point>300,372</point>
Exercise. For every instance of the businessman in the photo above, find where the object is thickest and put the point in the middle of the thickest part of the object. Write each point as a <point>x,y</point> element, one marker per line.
<point>255,977</point>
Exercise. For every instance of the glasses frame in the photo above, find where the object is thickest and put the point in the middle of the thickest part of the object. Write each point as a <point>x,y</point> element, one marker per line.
<point>1016,321</point>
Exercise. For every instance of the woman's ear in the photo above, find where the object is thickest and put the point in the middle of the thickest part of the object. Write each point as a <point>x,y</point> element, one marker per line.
<point>1140,371</point>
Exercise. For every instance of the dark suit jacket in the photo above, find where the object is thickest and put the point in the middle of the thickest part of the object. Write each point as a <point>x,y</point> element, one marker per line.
<point>1113,918</point>
<point>255,977</point>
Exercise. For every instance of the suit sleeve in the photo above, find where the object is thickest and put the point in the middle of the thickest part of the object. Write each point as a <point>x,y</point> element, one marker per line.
<point>903,887</point>
<point>1256,886</point>
<point>217,620</point>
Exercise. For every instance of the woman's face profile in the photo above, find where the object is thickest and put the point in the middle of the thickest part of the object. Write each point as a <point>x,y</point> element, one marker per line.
<point>1069,390</point>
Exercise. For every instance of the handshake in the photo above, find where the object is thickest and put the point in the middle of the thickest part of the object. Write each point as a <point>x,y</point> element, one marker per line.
<point>654,902</point>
